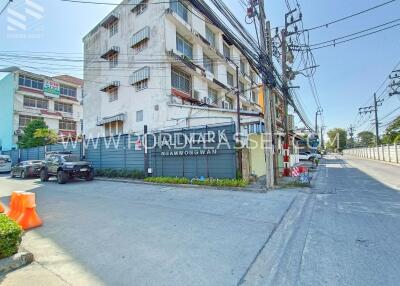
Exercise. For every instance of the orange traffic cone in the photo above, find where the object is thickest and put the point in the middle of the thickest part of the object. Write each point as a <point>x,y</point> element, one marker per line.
<point>1,208</point>
<point>29,217</point>
<point>16,206</point>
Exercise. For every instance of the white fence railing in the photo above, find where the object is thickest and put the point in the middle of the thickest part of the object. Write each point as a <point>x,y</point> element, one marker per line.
<point>387,153</point>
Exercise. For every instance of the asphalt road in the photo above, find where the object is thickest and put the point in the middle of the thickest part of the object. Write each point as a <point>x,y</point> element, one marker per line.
<point>108,233</point>
<point>347,234</point>
<point>343,231</point>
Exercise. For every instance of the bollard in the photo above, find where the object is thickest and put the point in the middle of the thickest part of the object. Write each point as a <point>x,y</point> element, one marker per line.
<point>1,208</point>
<point>16,206</point>
<point>29,217</point>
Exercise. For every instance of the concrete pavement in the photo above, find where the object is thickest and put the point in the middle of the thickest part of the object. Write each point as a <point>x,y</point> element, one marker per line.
<point>106,233</point>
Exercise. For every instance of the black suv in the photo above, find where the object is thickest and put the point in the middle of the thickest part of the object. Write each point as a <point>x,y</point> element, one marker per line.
<point>65,166</point>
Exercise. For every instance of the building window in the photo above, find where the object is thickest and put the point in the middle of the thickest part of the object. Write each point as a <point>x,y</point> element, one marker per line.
<point>184,46</point>
<point>30,82</point>
<point>140,47</point>
<point>210,36</point>
<point>242,67</point>
<point>113,128</point>
<point>254,96</point>
<point>67,91</point>
<point>143,84</point>
<point>140,8</point>
<point>180,9</point>
<point>113,60</point>
<point>227,51</point>
<point>139,116</point>
<point>24,120</point>
<point>113,94</point>
<point>229,79</point>
<point>208,63</point>
<point>181,81</point>
<point>113,28</point>
<point>213,96</point>
<point>67,125</point>
<point>63,107</point>
<point>36,102</point>
<point>227,103</point>
<point>241,88</point>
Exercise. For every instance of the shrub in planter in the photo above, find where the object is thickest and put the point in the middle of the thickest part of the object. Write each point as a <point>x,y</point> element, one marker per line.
<point>10,236</point>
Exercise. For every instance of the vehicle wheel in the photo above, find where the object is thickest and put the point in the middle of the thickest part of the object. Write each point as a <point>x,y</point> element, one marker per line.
<point>12,174</point>
<point>90,176</point>
<point>44,175</point>
<point>23,175</point>
<point>62,177</point>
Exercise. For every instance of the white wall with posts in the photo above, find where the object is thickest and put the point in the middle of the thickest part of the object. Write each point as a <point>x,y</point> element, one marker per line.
<point>388,153</point>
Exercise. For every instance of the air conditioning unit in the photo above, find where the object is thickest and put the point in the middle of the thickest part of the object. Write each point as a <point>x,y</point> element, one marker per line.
<point>19,132</point>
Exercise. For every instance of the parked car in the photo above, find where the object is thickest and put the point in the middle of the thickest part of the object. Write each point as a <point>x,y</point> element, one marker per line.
<point>65,166</point>
<point>26,169</point>
<point>304,156</point>
<point>5,163</point>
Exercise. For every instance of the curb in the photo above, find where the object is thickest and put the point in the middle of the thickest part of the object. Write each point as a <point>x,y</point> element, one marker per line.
<point>187,186</point>
<point>15,261</point>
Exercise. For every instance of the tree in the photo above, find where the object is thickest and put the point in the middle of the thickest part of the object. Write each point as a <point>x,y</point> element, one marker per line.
<point>366,139</point>
<point>337,139</point>
<point>28,139</point>
<point>49,136</point>
<point>392,132</point>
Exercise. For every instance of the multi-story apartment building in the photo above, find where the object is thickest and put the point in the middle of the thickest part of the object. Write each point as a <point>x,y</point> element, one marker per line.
<point>25,96</point>
<point>164,65</point>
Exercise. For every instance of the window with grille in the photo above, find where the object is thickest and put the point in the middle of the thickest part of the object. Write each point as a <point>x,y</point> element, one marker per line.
<point>139,116</point>
<point>241,88</point>
<point>113,60</point>
<point>210,36</point>
<point>30,82</point>
<point>112,94</point>
<point>36,102</point>
<point>143,84</point>
<point>113,128</point>
<point>63,107</point>
<point>183,46</point>
<point>140,8</point>
<point>113,28</point>
<point>181,81</point>
<point>67,90</point>
<point>229,79</point>
<point>67,125</point>
<point>213,96</point>
<point>208,63</point>
<point>141,46</point>
<point>227,51</point>
<point>242,67</point>
<point>180,9</point>
<point>25,119</point>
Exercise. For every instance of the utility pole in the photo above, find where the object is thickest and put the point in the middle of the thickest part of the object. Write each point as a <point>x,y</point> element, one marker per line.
<point>270,176</point>
<point>351,130</point>
<point>322,137</point>
<point>370,109</point>
<point>238,117</point>
<point>285,88</point>
<point>319,112</point>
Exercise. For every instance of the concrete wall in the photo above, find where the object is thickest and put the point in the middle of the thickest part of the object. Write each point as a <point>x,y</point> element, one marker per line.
<point>388,153</point>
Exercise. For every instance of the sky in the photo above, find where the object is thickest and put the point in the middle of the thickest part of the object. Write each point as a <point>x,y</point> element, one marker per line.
<point>346,78</point>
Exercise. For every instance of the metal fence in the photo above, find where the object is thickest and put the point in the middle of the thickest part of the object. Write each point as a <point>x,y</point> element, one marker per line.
<point>387,153</point>
<point>124,153</point>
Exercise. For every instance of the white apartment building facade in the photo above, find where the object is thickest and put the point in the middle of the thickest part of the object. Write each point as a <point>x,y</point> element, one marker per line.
<point>164,65</point>
<point>26,96</point>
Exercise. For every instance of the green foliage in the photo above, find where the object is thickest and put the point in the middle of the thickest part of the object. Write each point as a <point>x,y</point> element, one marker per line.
<point>366,139</point>
<point>49,136</point>
<point>113,173</point>
<point>29,140</point>
<point>205,182</point>
<point>392,134</point>
<point>337,139</point>
<point>10,236</point>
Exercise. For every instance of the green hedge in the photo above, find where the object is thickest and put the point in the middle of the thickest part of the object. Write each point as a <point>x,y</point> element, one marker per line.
<point>205,182</point>
<point>10,236</point>
<point>113,173</point>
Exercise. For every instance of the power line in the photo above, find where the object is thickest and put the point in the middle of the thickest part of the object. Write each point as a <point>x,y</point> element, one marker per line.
<point>350,16</point>
<point>5,6</point>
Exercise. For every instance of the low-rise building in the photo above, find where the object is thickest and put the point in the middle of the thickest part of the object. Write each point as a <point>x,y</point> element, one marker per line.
<point>25,96</point>
<point>164,65</point>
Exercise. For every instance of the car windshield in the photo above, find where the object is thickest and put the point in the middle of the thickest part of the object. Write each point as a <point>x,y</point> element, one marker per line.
<point>70,158</point>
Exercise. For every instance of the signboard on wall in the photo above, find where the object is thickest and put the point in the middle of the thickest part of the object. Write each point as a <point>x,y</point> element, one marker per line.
<point>51,88</point>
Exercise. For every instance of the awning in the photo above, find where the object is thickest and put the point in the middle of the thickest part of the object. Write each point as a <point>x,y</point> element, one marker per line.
<point>110,85</point>
<point>140,36</point>
<point>111,51</point>
<point>135,3</point>
<point>139,75</point>
<point>111,18</point>
<point>105,120</point>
